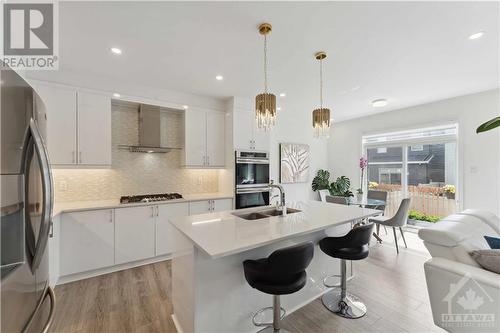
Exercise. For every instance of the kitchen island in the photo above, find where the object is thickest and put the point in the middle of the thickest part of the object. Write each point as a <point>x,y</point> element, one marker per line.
<point>209,290</point>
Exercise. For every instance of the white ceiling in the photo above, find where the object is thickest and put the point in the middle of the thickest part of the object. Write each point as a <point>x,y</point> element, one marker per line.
<point>407,52</point>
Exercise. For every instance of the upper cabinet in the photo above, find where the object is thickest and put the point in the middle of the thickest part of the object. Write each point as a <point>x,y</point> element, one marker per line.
<point>245,134</point>
<point>204,144</point>
<point>94,129</point>
<point>78,126</point>
<point>60,105</point>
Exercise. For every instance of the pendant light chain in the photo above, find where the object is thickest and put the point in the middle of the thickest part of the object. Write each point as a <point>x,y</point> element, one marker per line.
<point>265,64</point>
<point>321,83</point>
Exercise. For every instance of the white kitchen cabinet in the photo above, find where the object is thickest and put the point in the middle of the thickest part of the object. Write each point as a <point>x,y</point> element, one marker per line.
<point>60,105</point>
<point>210,206</point>
<point>163,226</point>
<point>204,144</point>
<point>94,129</point>
<point>78,125</point>
<point>195,138</point>
<point>246,135</point>
<point>134,233</point>
<point>86,241</point>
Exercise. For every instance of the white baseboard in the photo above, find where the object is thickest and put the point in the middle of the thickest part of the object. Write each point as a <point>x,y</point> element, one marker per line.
<point>107,270</point>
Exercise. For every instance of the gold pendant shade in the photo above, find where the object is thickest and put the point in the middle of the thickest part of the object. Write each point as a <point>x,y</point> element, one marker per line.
<point>265,111</point>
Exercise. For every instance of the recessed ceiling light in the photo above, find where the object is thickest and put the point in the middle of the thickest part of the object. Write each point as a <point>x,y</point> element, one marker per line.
<point>116,50</point>
<point>117,95</point>
<point>378,103</point>
<point>477,35</point>
<point>278,108</point>
<point>185,107</point>
<point>219,78</point>
<point>282,95</point>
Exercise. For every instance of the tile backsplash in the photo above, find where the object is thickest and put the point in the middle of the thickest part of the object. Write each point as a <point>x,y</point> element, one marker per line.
<point>136,173</point>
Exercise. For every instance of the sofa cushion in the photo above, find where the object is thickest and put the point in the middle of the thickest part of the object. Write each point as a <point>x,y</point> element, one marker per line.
<point>488,259</point>
<point>454,239</point>
<point>491,219</point>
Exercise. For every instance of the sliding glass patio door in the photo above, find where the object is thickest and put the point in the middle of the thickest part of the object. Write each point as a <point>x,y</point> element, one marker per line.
<point>420,164</point>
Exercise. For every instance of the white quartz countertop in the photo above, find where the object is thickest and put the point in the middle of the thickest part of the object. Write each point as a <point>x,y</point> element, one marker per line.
<point>223,233</point>
<point>75,206</point>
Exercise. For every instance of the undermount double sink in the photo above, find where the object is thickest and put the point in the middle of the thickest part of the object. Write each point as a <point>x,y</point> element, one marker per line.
<point>262,214</point>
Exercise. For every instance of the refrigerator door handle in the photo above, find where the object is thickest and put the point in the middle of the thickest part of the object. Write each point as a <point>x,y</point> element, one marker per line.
<point>33,135</point>
<point>52,312</point>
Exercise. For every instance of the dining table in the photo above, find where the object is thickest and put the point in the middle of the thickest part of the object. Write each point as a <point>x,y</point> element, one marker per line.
<point>369,203</point>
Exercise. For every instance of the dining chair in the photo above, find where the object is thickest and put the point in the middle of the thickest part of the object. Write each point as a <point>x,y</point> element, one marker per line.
<point>337,199</point>
<point>382,196</point>
<point>323,194</point>
<point>398,220</point>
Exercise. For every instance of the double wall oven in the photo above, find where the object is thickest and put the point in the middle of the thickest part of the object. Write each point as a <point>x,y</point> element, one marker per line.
<point>251,178</point>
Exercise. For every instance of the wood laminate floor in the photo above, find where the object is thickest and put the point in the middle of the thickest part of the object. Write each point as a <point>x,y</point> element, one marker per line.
<point>138,300</point>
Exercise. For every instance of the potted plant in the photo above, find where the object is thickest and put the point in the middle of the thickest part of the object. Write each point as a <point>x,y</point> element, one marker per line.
<point>363,163</point>
<point>449,191</point>
<point>489,125</point>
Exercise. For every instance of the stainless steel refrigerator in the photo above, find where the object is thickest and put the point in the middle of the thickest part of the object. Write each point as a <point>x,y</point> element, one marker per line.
<point>27,301</point>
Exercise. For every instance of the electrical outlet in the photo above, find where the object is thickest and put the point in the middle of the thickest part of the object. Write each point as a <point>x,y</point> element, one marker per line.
<point>63,185</point>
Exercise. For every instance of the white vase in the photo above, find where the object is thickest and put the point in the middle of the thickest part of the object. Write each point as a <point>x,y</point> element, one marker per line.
<point>359,197</point>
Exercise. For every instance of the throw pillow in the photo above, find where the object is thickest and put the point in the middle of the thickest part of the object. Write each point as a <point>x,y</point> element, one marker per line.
<point>488,259</point>
<point>493,242</point>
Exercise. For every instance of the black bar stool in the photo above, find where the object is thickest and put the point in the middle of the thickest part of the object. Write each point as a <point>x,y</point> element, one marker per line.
<point>282,273</point>
<point>353,246</point>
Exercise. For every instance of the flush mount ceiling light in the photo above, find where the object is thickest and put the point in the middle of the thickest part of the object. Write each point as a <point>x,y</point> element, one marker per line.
<point>378,103</point>
<point>185,107</point>
<point>477,35</point>
<point>116,50</point>
<point>278,108</point>
<point>116,95</point>
<point>265,103</point>
<point>219,78</point>
<point>321,116</point>
<point>282,95</point>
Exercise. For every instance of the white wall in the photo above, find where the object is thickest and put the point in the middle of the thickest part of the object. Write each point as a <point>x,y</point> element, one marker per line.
<point>479,154</point>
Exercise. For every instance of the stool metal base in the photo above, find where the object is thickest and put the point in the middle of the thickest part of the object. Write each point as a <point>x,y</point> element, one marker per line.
<point>261,311</point>
<point>270,329</point>
<point>349,307</point>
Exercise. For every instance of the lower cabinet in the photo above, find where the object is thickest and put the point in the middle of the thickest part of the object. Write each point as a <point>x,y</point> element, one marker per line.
<point>210,206</point>
<point>97,239</point>
<point>163,226</point>
<point>134,233</point>
<point>87,241</point>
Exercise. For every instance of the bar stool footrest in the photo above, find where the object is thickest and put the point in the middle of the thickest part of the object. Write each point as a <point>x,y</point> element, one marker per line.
<point>256,323</point>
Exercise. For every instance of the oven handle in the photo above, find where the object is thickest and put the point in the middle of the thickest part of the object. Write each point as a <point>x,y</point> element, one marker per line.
<point>252,161</point>
<point>252,190</point>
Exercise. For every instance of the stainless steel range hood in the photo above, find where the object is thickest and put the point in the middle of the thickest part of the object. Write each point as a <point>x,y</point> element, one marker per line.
<point>150,131</point>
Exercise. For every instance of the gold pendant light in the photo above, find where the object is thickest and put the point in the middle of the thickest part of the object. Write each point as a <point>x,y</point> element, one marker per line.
<point>321,116</point>
<point>265,103</point>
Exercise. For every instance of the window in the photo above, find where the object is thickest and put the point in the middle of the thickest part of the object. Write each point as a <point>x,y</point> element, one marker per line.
<point>420,164</point>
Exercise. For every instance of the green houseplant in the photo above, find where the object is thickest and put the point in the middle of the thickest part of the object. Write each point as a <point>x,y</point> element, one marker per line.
<point>340,187</point>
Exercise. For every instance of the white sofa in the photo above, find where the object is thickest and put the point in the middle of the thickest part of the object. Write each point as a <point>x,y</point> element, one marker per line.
<point>464,297</point>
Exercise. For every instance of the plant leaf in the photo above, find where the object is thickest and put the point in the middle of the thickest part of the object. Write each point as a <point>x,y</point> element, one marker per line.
<point>489,125</point>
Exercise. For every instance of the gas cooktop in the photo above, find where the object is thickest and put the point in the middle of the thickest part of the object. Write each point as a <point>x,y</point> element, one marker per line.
<point>150,197</point>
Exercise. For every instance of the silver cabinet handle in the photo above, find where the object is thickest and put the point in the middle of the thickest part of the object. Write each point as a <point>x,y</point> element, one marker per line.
<point>157,211</point>
<point>208,160</point>
<point>152,211</point>
<point>110,215</point>
<point>213,205</point>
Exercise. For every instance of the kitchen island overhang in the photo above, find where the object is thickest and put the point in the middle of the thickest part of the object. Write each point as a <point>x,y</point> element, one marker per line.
<point>209,290</point>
